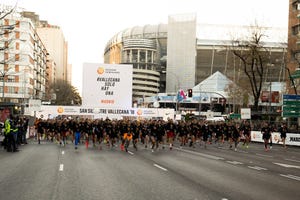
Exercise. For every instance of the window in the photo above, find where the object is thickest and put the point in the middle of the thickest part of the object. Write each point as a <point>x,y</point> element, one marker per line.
<point>17,46</point>
<point>11,89</point>
<point>17,35</point>
<point>295,29</point>
<point>10,78</point>
<point>17,57</point>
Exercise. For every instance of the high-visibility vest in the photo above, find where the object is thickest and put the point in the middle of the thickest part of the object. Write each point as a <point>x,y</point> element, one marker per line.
<point>7,127</point>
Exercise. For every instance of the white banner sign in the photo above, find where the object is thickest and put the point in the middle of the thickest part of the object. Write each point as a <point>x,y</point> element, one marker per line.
<point>34,105</point>
<point>245,113</point>
<point>107,85</point>
<point>113,113</point>
<point>291,138</point>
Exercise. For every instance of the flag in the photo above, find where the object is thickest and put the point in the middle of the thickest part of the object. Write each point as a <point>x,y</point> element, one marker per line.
<point>180,95</point>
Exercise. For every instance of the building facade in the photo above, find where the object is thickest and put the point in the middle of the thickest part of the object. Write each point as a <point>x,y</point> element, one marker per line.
<point>144,48</point>
<point>23,61</point>
<point>56,45</point>
<point>293,53</point>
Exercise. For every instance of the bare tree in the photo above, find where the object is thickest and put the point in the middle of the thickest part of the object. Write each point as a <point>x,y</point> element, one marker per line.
<point>237,95</point>
<point>254,57</point>
<point>5,41</point>
<point>5,30</point>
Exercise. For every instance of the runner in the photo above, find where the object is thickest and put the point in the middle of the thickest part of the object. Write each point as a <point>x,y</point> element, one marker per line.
<point>135,129</point>
<point>236,136</point>
<point>205,133</point>
<point>193,133</point>
<point>127,138</point>
<point>170,128</point>
<point>232,135</point>
<point>40,130</point>
<point>77,135</point>
<point>145,131</point>
<point>283,130</point>
<point>266,131</point>
<point>246,130</point>
<point>182,133</point>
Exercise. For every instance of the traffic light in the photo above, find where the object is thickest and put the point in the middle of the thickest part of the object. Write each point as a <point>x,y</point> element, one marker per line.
<point>190,93</point>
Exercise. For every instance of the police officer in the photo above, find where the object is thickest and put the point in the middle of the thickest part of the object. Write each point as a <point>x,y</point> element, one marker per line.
<point>9,131</point>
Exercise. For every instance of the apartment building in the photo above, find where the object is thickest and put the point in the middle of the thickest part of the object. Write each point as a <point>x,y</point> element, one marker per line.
<point>23,61</point>
<point>293,52</point>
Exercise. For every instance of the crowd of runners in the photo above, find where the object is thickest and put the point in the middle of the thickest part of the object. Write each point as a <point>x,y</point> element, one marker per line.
<point>152,134</point>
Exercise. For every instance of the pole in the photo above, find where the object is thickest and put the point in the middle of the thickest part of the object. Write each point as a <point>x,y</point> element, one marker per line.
<point>200,107</point>
<point>3,84</point>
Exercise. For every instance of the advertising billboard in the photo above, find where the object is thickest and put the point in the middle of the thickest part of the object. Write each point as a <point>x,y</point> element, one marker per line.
<point>107,85</point>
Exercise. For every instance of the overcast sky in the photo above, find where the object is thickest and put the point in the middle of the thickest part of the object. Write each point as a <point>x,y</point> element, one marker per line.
<point>88,25</point>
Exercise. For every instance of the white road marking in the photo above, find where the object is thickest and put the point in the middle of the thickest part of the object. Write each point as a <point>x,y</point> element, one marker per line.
<point>234,162</point>
<point>264,155</point>
<point>293,160</point>
<point>61,167</point>
<point>160,167</point>
<point>257,168</point>
<point>242,151</point>
<point>297,178</point>
<point>287,166</point>
<point>63,152</point>
<point>130,153</point>
<point>201,154</point>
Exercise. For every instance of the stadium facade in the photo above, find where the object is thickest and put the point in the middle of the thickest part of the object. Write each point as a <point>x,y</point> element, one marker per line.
<point>182,53</point>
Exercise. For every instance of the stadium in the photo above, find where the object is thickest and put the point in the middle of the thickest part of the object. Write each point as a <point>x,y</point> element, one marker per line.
<point>181,54</point>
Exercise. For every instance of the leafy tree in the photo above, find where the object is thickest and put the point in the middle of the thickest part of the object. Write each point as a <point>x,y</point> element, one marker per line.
<point>65,93</point>
<point>254,59</point>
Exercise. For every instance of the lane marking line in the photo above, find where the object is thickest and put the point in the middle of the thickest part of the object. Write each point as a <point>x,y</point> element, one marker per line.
<point>257,168</point>
<point>264,155</point>
<point>242,151</point>
<point>297,178</point>
<point>287,166</point>
<point>292,160</point>
<point>160,167</point>
<point>201,154</point>
<point>130,153</point>
<point>61,167</point>
<point>234,162</point>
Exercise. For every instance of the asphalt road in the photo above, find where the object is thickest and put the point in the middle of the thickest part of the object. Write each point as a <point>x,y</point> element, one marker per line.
<point>49,171</point>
